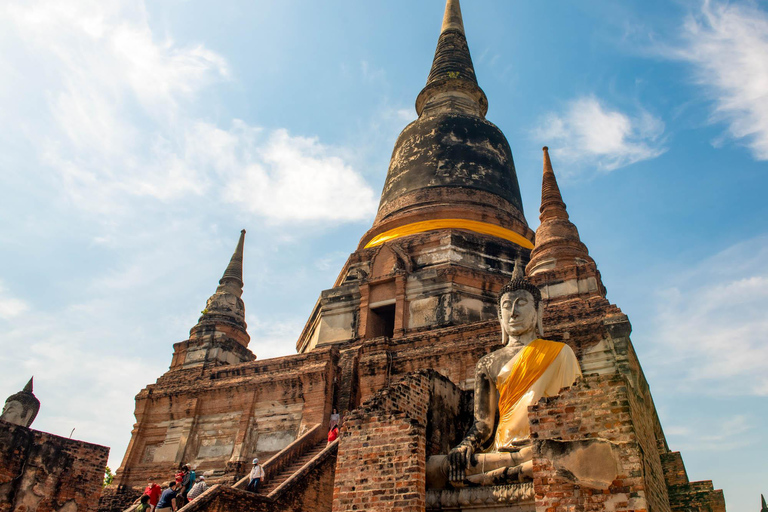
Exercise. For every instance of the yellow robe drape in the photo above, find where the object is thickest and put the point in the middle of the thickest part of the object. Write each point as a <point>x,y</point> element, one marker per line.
<point>542,368</point>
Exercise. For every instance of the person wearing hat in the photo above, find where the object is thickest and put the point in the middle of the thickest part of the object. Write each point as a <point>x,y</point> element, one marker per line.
<point>256,476</point>
<point>197,489</point>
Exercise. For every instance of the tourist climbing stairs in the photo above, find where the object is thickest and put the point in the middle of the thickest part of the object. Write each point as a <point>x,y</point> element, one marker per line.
<point>291,468</point>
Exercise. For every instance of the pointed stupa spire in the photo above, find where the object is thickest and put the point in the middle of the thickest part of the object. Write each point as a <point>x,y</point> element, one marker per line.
<point>552,204</point>
<point>558,245</point>
<point>235,268</point>
<point>452,84</point>
<point>226,306</point>
<point>764,505</point>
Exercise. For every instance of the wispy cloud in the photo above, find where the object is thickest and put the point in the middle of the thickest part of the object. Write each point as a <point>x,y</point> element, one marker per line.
<point>120,121</point>
<point>274,337</point>
<point>297,179</point>
<point>10,306</point>
<point>720,435</point>
<point>712,324</point>
<point>589,134</point>
<point>727,44</point>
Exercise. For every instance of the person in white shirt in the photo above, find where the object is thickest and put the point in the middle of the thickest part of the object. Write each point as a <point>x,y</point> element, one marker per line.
<point>256,476</point>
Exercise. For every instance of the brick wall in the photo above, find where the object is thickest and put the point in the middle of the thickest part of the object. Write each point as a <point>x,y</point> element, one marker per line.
<point>41,472</point>
<point>674,469</point>
<point>686,496</point>
<point>643,415</point>
<point>382,452</point>
<point>595,410</point>
<point>218,419</point>
<point>117,499</point>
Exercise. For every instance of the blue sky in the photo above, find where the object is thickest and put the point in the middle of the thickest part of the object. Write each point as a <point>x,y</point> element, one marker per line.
<point>138,138</point>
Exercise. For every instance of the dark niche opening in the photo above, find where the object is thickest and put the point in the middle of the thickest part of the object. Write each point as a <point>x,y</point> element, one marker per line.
<point>382,321</point>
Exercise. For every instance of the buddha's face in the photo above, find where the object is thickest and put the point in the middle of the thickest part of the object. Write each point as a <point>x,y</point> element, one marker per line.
<point>14,412</point>
<point>518,313</point>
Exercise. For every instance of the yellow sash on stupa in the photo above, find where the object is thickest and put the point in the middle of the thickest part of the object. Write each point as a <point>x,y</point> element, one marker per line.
<point>525,369</point>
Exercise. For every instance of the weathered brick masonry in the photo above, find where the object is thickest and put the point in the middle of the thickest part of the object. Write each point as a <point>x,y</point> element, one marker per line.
<point>385,443</point>
<point>46,473</point>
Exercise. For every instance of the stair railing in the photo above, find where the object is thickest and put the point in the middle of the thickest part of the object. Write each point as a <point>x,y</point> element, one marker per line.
<point>304,470</point>
<point>278,461</point>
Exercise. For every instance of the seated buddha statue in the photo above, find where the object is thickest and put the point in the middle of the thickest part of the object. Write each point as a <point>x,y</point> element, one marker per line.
<point>497,448</point>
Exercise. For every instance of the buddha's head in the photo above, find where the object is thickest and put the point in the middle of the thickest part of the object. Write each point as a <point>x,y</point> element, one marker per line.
<point>517,312</point>
<point>519,302</point>
<point>21,408</point>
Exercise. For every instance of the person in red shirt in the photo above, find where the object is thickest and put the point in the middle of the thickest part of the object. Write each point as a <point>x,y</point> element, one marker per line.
<point>333,434</point>
<point>153,491</point>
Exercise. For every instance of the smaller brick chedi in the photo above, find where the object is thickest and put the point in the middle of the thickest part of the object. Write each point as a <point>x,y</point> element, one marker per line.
<point>407,345</point>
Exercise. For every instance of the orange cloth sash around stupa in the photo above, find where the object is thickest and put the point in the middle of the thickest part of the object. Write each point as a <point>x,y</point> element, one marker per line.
<point>483,228</point>
<point>527,368</point>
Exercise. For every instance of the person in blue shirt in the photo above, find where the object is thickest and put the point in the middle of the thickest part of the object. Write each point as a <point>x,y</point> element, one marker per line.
<point>167,501</point>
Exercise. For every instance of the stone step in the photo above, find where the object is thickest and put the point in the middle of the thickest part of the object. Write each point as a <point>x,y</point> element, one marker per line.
<point>292,467</point>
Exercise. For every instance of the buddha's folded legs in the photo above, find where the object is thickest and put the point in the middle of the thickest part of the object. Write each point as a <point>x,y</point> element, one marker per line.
<point>488,468</point>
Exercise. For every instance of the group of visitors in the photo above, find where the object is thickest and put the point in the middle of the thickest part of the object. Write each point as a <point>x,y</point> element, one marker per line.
<point>185,487</point>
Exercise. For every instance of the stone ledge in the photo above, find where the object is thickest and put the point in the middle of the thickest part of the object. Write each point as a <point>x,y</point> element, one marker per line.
<point>520,497</point>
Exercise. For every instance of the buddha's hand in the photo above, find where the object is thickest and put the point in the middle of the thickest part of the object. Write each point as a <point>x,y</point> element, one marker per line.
<point>458,460</point>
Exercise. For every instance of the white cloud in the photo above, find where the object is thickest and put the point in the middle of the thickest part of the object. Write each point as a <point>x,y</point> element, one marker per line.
<point>299,179</point>
<point>712,325</point>
<point>274,337</point>
<point>10,306</point>
<point>590,134</point>
<point>117,125</point>
<point>727,43</point>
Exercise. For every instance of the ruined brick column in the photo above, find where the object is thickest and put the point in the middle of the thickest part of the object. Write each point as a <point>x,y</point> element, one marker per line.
<point>382,454</point>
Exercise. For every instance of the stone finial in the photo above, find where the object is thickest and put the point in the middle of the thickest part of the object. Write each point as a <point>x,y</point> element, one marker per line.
<point>21,408</point>
<point>764,505</point>
<point>452,84</point>
<point>452,19</point>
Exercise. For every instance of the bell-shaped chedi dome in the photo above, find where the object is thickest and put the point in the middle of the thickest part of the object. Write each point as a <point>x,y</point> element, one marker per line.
<point>451,163</point>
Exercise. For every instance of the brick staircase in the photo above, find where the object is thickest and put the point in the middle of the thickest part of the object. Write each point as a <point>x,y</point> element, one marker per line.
<point>291,468</point>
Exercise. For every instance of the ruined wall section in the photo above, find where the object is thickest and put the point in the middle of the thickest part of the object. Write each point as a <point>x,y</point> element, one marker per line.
<point>587,455</point>
<point>219,419</point>
<point>687,496</point>
<point>384,444</point>
<point>41,472</point>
